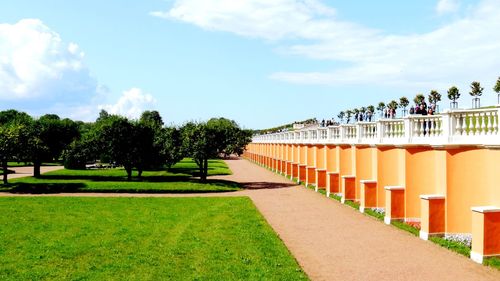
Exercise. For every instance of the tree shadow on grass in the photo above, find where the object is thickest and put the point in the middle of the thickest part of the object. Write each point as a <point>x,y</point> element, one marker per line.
<point>98,178</point>
<point>52,188</point>
<point>45,188</point>
<point>266,185</point>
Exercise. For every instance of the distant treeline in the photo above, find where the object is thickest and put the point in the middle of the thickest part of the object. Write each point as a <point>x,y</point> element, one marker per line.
<point>141,144</point>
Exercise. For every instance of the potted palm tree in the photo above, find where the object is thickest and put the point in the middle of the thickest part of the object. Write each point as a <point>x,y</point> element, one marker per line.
<point>434,98</point>
<point>497,90</point>
<point>419,99</point>
<point>393,105</point>
<point>371,111</point>
<point>348,114</point>
<point>356,114</point>
<point>453,95</point>
<point>341,116</point>
<point>476,91</point>
<point>403,103</point>
<point>381,107</point>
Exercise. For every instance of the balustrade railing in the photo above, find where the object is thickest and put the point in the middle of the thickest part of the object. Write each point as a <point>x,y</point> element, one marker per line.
<point>476,126</point>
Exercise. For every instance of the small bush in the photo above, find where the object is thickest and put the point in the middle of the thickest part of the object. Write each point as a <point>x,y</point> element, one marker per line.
<point>404,226</point>
<point>493,262</point>
<point>373,213</point>
<point>452,245</point>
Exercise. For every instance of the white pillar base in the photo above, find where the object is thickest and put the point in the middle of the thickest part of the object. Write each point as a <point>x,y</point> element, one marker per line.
<point>423,235</point>
<point>362,209</point>
<point>342,200</point>
<point>476,257</point>
<point>387,220</point>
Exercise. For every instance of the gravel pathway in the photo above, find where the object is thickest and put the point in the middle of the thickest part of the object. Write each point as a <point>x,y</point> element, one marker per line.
<point>332,241</point>
<point>27,171</point>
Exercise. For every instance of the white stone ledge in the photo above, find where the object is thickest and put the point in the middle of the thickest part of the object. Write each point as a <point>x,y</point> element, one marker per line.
<point>348,176</point>
<point>368,181</point>
<point>321,170</point>
<point>394,187</point>
<point>332,173</point>
<point>486,209</point>
<point>432,196</point>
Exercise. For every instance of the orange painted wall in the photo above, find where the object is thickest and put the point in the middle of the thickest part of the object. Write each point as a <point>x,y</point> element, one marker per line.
<point>331,158</point>
<point>389,170</point>
<point>320,157</point>
<point>346,161</point>
<point>423,176</point>
<point>295,153</point>
<point>303,152</point>
<point>473,180</point>
<point>289,152</point>
<point>365,169</point>
<point>311,156</point>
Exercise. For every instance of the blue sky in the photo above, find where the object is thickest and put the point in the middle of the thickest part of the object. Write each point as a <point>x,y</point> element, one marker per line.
<point>262,63</point>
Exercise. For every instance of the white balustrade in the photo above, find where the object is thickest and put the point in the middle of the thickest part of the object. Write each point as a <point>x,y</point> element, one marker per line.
<point>367,130</point>
<point>350,132</point>
<point>474,127</point>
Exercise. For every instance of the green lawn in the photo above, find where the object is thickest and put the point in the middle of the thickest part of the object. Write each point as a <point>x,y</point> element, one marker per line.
<point>178,179</point>
<point>63,238</point>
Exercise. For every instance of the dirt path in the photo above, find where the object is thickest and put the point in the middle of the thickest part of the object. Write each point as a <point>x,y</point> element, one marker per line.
<point>27,171</point>
<point>334,242</point>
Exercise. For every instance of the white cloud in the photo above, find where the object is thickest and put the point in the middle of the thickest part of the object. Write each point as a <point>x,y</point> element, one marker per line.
<point>447,6</point>
<point>131,104</point>
<point>465,49</point>
<point>35,63</point>
<point>275,19</point>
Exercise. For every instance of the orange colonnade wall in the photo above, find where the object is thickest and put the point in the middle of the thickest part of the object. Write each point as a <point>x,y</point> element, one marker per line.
<point>458,178</point>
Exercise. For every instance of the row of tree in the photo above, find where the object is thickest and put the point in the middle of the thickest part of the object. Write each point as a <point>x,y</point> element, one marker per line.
<point>433,98</point>
<point>134,144</point>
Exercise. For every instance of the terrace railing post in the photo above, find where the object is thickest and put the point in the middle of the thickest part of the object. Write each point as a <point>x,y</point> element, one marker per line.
<point>446,126</point>
<point>380,131</point>
<point>408,128</point>
<point>359,132</point>
<point>342,133</point>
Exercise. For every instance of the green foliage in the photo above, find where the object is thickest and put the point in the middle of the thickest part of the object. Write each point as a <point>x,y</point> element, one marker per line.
<point>141,239</point>
<point>475,89</point>
<point>404,102</point>
<point>406,227</point>
<point>492,262</point>
<point>452,245</point>
<point>381,106</point>
<point>151,119</point>
<point>371,108</point>
<point>341,115</point>
<point>393,105</point>
<point>352,204</point>
<point>117,141</point>
<point>434,97</point>
<point>370,212</point>
<point>453,93</point>
<point>419,99</point>
<point>14,137</point>
<point>203,141</point>
<point>496,88</point>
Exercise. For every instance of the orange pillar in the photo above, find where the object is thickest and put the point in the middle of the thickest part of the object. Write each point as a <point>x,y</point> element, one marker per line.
<point>485,233</point>
<point>432,216</point>
<point>394,203</point>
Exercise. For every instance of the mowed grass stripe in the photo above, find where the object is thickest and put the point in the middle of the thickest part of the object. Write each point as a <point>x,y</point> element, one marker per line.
<point>140,239</point>
<point>178,179</point>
